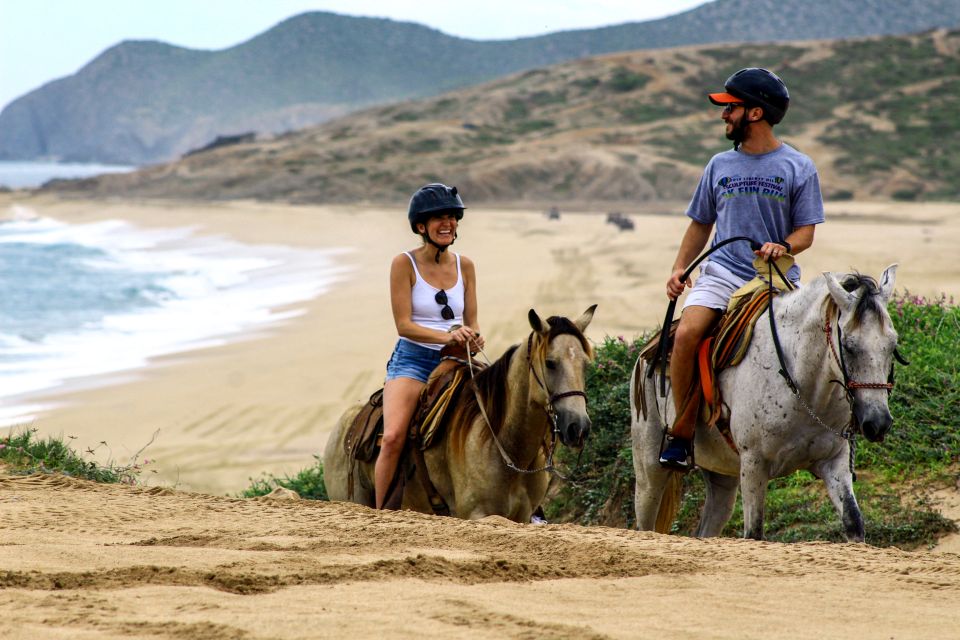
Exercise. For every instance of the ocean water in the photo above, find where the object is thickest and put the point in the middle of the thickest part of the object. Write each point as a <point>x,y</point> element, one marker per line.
<point>28,175</point>
<point>82,300</point>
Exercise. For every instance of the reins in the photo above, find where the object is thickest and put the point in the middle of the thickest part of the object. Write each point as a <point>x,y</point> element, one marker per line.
<point>548,409</point>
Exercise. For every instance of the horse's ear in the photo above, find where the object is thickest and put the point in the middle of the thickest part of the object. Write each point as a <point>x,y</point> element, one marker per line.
<point>887,279</point>
<point>536,323</point>
<point>582,322</point>
<point>844,299</point>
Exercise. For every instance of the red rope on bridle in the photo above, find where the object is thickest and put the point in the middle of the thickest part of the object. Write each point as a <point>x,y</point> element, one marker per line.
<point>849,382</point>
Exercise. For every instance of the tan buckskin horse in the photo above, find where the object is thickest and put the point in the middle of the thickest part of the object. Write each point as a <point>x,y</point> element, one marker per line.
<point>495,454</point>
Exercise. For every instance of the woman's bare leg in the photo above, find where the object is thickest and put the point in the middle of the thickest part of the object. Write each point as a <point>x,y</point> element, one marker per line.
<point>400,397</point>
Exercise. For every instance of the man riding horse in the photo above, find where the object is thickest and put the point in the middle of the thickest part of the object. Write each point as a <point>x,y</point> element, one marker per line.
<point>763,189</point>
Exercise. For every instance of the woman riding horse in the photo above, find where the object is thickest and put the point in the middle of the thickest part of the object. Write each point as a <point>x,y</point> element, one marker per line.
<point>495,453</point>
<point>433,294</point>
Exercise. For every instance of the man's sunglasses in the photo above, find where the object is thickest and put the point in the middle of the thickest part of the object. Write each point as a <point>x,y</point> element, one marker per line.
<point>727,110</point>
<point>446,313</point>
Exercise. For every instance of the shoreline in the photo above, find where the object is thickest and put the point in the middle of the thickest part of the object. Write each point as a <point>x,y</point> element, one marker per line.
<point>198,292</point>
<point>266,401</point>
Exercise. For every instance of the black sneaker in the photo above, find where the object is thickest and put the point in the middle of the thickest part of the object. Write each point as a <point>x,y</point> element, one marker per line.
<point>676,455</point>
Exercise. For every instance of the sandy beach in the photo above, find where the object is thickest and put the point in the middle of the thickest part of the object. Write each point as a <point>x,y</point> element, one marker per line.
<point>83,560</point>
<point>265,403</point>
<point>180,558</point>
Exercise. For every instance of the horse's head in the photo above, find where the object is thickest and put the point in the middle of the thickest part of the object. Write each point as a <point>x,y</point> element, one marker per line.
<point>558,361</point>
<point>866,343</point>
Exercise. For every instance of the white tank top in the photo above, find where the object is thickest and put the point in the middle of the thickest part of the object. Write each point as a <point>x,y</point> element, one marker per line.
<point>426,310</point>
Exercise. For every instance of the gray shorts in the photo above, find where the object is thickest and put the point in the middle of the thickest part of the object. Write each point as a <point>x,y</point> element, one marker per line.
<point>714,287</point>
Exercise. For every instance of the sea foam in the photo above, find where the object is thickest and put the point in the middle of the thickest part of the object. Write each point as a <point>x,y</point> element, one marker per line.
<point>83,300</point>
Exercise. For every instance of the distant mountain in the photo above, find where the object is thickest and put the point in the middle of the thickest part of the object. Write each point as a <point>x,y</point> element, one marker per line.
<point>142,102</point>
<point>879,116</point>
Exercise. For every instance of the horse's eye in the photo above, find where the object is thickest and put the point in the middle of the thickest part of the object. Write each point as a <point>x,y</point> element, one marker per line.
<point>551,364</point>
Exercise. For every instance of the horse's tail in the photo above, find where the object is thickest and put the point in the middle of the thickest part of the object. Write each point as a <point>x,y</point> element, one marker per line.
<point>669,503</point>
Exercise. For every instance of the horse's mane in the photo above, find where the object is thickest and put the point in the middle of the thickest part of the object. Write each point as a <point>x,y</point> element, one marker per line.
<point>491,383</point>
<point>870,301</point>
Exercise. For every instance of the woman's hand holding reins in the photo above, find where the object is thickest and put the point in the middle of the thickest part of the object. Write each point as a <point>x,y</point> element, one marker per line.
<point>466,336</point>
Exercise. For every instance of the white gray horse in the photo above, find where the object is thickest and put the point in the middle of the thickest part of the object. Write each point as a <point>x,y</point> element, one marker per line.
<point>838,347</point>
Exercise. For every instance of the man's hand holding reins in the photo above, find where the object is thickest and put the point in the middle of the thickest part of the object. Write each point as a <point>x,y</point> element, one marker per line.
<point>771,251</point>
<point>674,286</point>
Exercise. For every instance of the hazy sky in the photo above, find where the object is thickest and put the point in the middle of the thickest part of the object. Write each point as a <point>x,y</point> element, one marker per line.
<point>41,40</point>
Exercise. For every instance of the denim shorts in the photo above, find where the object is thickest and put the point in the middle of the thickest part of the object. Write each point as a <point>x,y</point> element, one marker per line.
<point>411,360</point>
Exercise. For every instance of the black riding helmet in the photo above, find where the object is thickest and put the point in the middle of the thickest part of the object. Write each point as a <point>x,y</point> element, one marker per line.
<point>432,200</point>
<point>759,87</point>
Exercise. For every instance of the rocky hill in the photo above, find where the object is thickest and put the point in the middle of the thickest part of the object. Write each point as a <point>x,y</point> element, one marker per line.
<point>880,116</point>
<point>143,102</point>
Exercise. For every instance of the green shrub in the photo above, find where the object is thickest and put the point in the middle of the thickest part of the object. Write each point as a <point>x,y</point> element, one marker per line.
<point>528,126</point>
<point>308,483</point>
<point>905,195</point>
<point>840,194</point>
<point>426,145</point>
<point>516,109</point>
<point>601,491</point>
<point>406,116</point>
<point>623,80</point>
<point>925,437</point>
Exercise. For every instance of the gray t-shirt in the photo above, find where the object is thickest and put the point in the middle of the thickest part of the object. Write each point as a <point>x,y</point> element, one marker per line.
<point>764,197</point>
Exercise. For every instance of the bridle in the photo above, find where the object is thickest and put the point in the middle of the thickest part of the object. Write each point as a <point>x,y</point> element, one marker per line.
<point>548,409</point>
<point>551,397</point>
<point>849,383</point>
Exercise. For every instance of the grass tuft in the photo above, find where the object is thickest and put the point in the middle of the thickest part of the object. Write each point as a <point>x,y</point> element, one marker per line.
<point>308,483</point>
<point>22,453</point>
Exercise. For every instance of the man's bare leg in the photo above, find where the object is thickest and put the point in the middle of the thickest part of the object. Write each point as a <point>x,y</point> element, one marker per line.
<point>695,322</point>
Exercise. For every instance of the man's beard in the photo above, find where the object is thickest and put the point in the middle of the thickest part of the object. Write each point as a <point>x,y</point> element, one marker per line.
<point>738,133</point>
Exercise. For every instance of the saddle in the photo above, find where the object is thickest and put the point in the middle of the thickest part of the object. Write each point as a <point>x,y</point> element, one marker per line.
<point>723,347</point>
<point>427,426</point>
<point>362,442</point>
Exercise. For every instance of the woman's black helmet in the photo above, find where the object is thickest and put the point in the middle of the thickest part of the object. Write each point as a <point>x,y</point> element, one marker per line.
<point>431,199</point>
<point>754,86</point>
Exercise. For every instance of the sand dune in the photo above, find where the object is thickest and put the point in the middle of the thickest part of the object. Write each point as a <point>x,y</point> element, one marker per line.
<point>84,560</point>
